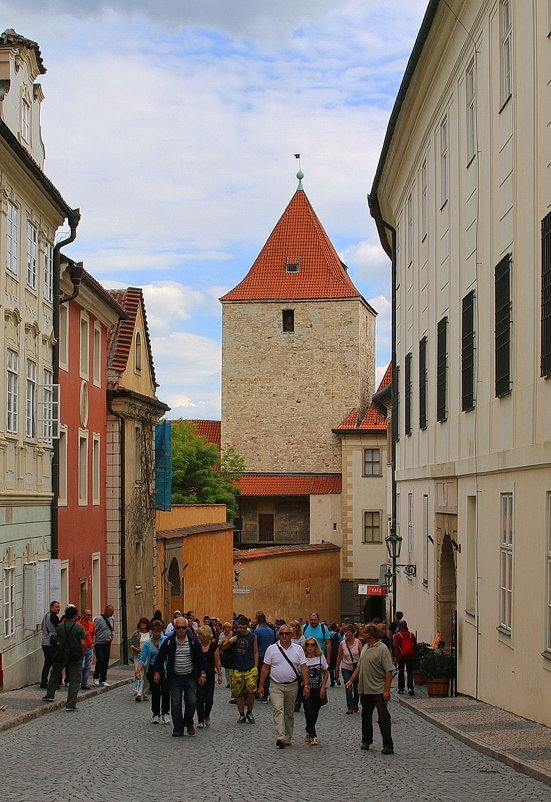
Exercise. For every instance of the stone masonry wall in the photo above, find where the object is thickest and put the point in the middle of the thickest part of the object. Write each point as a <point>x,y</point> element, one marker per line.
<point>283,392</point>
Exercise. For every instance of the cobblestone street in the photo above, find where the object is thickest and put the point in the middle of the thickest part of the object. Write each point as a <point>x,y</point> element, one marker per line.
<point>109,751</point>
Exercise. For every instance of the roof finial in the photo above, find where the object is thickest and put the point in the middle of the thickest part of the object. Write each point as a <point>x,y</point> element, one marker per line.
<point>300,174</point>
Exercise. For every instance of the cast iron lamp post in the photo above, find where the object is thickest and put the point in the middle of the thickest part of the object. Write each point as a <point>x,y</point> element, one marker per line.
<point>394,548</point>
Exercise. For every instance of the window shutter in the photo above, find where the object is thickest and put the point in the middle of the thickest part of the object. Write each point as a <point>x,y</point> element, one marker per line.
<point>546,295</point>
<point>407,394</point>
<point>441,368</point>
<point>502,289</point>
<point>467,352</point>
<point>423,383</point>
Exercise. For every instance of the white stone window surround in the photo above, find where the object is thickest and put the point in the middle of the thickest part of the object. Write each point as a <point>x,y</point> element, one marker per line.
<point>30,399</point>
<point>32,255</point>
<point>9,601</point>
<point>47,289</point>
<point>97,355</point>
<point>12,391</point>
<point>506,49</point>
<point>96,469</point>
<point>82,468</point>
<point>84,349</point>
<point>12,239</point>
<point>506,563</point>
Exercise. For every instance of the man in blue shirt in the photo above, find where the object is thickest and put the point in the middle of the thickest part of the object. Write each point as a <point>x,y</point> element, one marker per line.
<point>320,632</point>
<point>265,636</point>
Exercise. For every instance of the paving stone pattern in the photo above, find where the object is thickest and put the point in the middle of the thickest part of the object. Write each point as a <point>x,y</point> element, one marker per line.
<point>108,750</point>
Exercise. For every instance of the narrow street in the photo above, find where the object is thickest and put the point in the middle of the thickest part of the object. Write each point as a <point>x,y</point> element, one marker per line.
<point>110,752</point>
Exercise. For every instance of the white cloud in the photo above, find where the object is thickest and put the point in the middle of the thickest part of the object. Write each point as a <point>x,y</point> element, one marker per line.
<point>184,360</point>
<point>168,303</point>
<point>367,262</point>
<point>379,373</point>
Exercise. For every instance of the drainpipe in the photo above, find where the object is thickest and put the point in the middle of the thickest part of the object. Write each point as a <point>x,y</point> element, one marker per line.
<point>373,204</point>
<point>122,525</point>
<point>54,529</point>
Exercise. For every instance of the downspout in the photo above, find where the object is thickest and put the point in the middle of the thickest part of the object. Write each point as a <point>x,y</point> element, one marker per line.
<point>122,525</point>
<point>374,210</point>
<point>54,529</point>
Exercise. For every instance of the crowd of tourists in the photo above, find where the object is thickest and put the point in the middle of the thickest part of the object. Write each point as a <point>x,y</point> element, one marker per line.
<point>289,664</point>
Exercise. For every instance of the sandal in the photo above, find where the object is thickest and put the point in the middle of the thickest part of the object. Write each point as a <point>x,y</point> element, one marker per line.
<point>313,741</point>
<point>307,739</point>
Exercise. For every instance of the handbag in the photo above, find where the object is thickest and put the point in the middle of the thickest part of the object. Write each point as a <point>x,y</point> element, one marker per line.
<point>354,664</point>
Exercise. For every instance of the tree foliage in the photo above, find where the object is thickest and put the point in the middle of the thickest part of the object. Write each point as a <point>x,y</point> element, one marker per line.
<point>195,478</point>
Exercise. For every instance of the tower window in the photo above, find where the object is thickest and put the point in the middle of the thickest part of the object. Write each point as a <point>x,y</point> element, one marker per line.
<point>288,319</point>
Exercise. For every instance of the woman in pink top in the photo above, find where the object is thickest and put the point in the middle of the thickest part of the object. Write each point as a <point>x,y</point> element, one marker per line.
<point>347,660</point>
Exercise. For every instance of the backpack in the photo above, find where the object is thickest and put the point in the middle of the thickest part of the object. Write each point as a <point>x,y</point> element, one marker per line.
<point>68,651</point>
<point>308,624</point>
<point>406,649</point>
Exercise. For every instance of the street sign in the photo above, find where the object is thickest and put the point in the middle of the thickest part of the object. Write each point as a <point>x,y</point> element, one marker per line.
<point>241,590</point>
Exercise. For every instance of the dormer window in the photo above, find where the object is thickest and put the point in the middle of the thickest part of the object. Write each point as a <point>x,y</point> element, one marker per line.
<point>25,121</point>
<point>292,266</point>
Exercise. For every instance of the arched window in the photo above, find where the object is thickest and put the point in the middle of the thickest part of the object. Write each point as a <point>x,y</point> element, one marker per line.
<point>138,352</point>
<point>174,577</point>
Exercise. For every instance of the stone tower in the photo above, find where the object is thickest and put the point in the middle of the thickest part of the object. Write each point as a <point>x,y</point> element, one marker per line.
<point>298,343</point>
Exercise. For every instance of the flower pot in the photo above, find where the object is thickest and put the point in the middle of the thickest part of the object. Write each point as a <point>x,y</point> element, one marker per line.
<point>437,686</point>
<point>419,677</point>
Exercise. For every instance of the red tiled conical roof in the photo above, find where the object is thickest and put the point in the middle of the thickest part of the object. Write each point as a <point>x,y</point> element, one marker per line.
<point>298,239</point>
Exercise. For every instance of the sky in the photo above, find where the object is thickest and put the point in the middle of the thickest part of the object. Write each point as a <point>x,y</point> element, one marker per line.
<point>174,126</point>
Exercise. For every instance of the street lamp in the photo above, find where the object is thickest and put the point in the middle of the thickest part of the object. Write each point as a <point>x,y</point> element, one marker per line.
<point>394,548</point>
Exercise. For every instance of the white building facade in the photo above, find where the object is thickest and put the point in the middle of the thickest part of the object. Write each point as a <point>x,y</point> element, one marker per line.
<point>462,200</point>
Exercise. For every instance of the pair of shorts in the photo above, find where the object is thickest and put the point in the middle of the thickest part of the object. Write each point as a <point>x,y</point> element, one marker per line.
<point>243,682</point>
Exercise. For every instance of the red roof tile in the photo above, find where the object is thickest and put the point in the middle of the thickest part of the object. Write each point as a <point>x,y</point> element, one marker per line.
<point>185,531</point>
<point>210,430</point>
<point>373,420</point>
<point>285,485</point>
<point>240,555</point>
<point>122,334</point>
<point>298,238</point>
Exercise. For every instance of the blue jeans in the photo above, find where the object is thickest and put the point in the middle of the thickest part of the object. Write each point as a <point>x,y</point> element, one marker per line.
<point>183,685</point>
<point>86,665</point>
<point>352,695</point>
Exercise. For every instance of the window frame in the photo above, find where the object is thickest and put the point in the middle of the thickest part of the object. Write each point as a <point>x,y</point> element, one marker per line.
<point>470,110</point>
<point>82,462</point>
<point>97,355</point>
<point>96,469</point>
<point>8,600</point>
<point>407,393</point>
<point>12,391</point>
<point>84,346</point>
<point>506,49</point>
<point>32,256</point>
<point>63,466</point>
<point>288,320</point>
<point>468,350</point>
<point>374,463</point>
<point>372,526</point>
<point>444,161</point>
<point>502,327</point>
<point>506,563</point>
<point>31,398</point>
<point>48,284</point>
<point>25,121</point>
<point>409,229</point>
<point>423,379</point>
<point>424,201</point>
<point>12,239</point>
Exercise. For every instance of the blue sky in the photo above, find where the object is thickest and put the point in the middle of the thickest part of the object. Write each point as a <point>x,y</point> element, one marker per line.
<point>173,128</point>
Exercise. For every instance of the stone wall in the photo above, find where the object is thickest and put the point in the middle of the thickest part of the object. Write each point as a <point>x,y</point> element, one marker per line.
<point>283,392</point>
<point>291,519</point>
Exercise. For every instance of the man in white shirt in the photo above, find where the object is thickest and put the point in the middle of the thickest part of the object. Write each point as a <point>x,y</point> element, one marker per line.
<point>286,663</point>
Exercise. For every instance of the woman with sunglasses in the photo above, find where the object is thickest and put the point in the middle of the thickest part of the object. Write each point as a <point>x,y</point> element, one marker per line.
<point>318,673</point>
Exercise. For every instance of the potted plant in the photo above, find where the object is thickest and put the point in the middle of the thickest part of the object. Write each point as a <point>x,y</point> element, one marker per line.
<point>438,666</point>
<point>421,651</point>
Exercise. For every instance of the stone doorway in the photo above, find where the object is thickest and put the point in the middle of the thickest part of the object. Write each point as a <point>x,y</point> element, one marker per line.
<point>446,592</point>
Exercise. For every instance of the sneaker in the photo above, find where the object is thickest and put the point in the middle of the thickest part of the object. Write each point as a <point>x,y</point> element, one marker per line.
<point>166,719</point>
<point>250,718</point>
<point>411,692</point>
<point>48,699</point>
<point>207,722</point>
<point>242,719</point>
<point>201,725</point>
<point>96,681</point>
<point>191,730</point>
<point>70,710</point>
<point>107,685</point>
<point>387,751</point>
<point>155,720</point>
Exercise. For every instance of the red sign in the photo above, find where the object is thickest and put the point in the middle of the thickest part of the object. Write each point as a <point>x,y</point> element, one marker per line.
<point>376,590</point>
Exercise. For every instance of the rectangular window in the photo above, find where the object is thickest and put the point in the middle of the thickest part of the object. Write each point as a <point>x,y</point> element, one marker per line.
<point>442,369</point>
<point>25,121</point>
<point>97,364</point>
<point>96,469</point>
<point>424,201</point>
<point>502,295</point>
<point>48,272</point>
<point>372,461</point>
<point>545,367</point>
<point>372,527</point>
<point>9,602</point>
<point>506,49</point>
<point>12,239</point>
<point>12,391</point>
<point>470,595</point>
<point>423,383</point>
<point>84,346</point>
<point>470,99</point>
<point>407,395</point>
<point>83,468</point>
<point>47,406</point>
<point>409,230</point>
<point>62,501</point>
<point>292,266</point>
<point>506,562</point>
<point>32,254</point>
<point>444,162</point>
<point>288,319</point>
<point>467,352</point>
<point>426,541</point>
<point>30,400</point>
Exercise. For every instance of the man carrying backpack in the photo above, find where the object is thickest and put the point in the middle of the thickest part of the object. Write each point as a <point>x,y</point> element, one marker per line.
<point>314,629</point>
<point>71,647</point>
<point>405,650</point>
